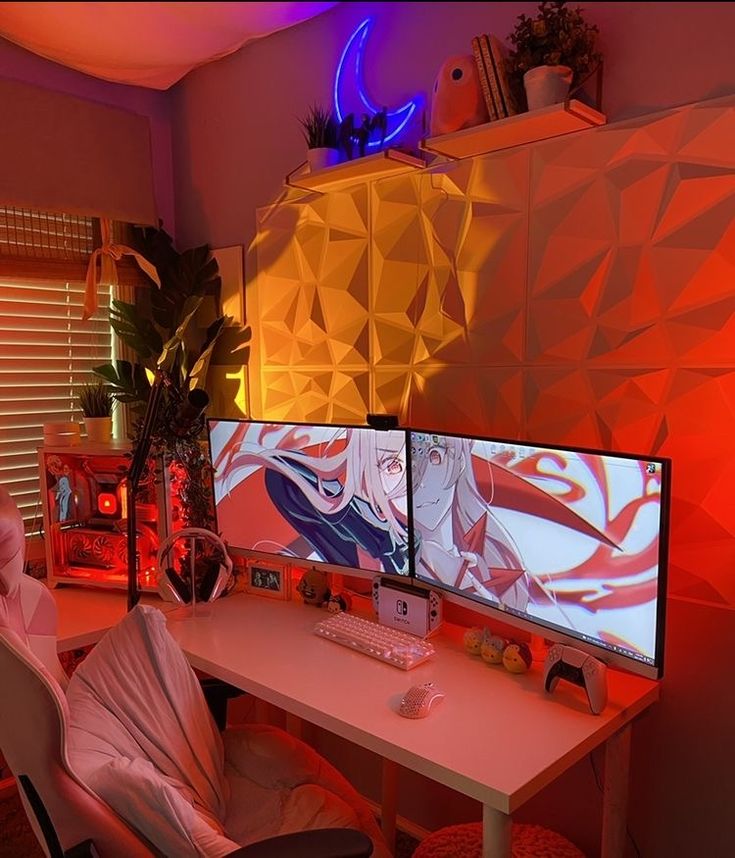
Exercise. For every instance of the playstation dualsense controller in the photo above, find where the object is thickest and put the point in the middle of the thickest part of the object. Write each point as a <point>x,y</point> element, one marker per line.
<point>566,662</point>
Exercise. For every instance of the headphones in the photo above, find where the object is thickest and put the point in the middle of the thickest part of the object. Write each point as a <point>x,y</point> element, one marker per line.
<point>173,587</point>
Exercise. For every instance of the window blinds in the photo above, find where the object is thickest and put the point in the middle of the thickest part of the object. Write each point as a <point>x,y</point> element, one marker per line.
<point>46,351</point>
<point>46,354</point>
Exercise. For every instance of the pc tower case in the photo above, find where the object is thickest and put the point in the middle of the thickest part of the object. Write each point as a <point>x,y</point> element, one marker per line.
<point>84,501</point>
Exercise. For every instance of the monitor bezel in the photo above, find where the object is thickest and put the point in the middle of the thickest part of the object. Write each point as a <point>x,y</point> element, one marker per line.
<point>357,572</point>
<point>539,627</point>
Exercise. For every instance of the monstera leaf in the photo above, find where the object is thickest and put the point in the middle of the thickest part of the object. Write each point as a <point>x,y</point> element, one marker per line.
<point>137,332</point>
<point>193,273</point>
<point>128,382</point>
<point>173,353</point>
<point>216,333</point>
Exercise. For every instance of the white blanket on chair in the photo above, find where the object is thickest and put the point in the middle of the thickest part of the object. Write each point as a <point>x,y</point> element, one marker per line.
<point>142,737</point>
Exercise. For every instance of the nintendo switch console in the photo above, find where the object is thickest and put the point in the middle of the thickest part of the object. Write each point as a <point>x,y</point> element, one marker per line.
<point>417,610</point>
<point>566,662</point>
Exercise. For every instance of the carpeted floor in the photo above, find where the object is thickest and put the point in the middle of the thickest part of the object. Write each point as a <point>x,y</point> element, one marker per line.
<point>17,839</point>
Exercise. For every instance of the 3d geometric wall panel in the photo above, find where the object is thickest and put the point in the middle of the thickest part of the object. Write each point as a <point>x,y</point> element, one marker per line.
<point>448,267</point>
<point>631,244</point>
<point>310,310</point>
<point>580,290</point>
<point>631,314</point>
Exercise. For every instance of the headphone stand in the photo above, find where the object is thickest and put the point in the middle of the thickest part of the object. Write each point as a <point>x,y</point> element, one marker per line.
<point>194,608</point>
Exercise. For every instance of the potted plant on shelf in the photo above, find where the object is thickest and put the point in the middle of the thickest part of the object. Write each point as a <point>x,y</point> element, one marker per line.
<point>320,132</point>
<point>551,52</point>
<point>96,402</point>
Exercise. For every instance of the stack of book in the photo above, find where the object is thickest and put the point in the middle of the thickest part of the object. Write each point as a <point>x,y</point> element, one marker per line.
<point>490,59</point>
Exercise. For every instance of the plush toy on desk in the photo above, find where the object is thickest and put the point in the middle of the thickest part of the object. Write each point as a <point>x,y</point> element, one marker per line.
<point>517,657</point>
<point>314,588</point>
<point>339,602</point>
<point>474,638</point>
<point>492,649</point>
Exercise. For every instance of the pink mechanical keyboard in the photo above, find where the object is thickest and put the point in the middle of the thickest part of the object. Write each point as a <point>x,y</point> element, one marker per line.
<point>392,646</point>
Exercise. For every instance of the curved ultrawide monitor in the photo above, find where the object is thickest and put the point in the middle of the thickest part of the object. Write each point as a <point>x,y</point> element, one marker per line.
<point>334,495</point>
<point>569,543</point>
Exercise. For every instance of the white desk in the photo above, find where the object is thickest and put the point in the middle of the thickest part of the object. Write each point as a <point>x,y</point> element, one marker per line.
<point>496,737</point>
<point>86,613</point>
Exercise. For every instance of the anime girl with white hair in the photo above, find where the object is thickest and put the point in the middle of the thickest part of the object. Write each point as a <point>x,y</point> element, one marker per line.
<point>342,490</point>
<point>458,540</point>
<point>570,538</point>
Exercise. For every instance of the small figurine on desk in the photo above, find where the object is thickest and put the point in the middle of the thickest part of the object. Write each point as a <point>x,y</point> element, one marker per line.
<point>517,657</point>
<point>339,602</point>
<point>492,649</point>
<point>314,588</point>
<point>474,638</point>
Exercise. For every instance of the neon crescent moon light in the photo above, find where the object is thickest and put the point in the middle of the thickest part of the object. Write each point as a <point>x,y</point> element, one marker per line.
<point>349,89</point>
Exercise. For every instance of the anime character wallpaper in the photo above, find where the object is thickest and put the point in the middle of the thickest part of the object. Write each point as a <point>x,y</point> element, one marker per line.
<point>59,477</point>
<point>568,538</point>
<point>320,493</point>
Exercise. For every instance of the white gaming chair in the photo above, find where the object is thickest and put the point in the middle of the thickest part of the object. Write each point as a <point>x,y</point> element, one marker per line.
<point>67,817</point>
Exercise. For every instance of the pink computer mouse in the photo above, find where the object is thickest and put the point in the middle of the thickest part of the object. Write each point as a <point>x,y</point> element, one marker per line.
<point>419,700</point>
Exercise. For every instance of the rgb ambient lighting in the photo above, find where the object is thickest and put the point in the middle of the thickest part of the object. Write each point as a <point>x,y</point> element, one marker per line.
<point>107,503</point>
<point>349,90</point>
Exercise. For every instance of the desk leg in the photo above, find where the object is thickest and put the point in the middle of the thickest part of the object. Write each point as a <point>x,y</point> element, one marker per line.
<point>615,794</point>
<point>389,803</point>
<point>495,833</point>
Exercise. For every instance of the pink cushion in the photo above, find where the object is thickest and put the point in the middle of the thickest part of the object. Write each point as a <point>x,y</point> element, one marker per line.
<point>465,841</point>
<point>159,809</point>
<point>279,784</point>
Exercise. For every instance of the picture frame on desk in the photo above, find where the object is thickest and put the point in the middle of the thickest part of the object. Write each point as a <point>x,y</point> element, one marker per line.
<point>269,579</point>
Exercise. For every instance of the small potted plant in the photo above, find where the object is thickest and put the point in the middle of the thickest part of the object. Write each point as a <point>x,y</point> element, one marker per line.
<point>319,127</point>
<point>97,403</point>
<point>551,52</point>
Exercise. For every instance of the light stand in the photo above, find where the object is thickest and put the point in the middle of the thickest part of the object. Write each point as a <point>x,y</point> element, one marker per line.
<point>135,473</point>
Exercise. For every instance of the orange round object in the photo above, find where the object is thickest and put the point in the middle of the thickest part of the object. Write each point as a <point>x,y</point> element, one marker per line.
<point>456,99</point>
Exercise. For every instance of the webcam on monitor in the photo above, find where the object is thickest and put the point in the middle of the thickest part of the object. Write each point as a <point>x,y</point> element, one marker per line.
<point>382,421</point>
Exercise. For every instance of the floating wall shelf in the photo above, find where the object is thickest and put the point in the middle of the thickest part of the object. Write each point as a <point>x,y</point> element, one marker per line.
<point>389,162</point>
<point>516,130</point>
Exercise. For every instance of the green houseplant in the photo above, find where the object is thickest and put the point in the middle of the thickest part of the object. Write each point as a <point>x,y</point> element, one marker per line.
<point>551,52</point>
<point>177,330</point>
<point>96,402</point>
<point>320,128</point>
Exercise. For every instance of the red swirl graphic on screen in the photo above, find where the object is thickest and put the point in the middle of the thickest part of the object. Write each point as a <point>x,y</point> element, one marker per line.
<point>546,489</point>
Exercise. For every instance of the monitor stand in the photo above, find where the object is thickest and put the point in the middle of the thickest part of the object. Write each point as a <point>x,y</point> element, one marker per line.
<point>539,648</point>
